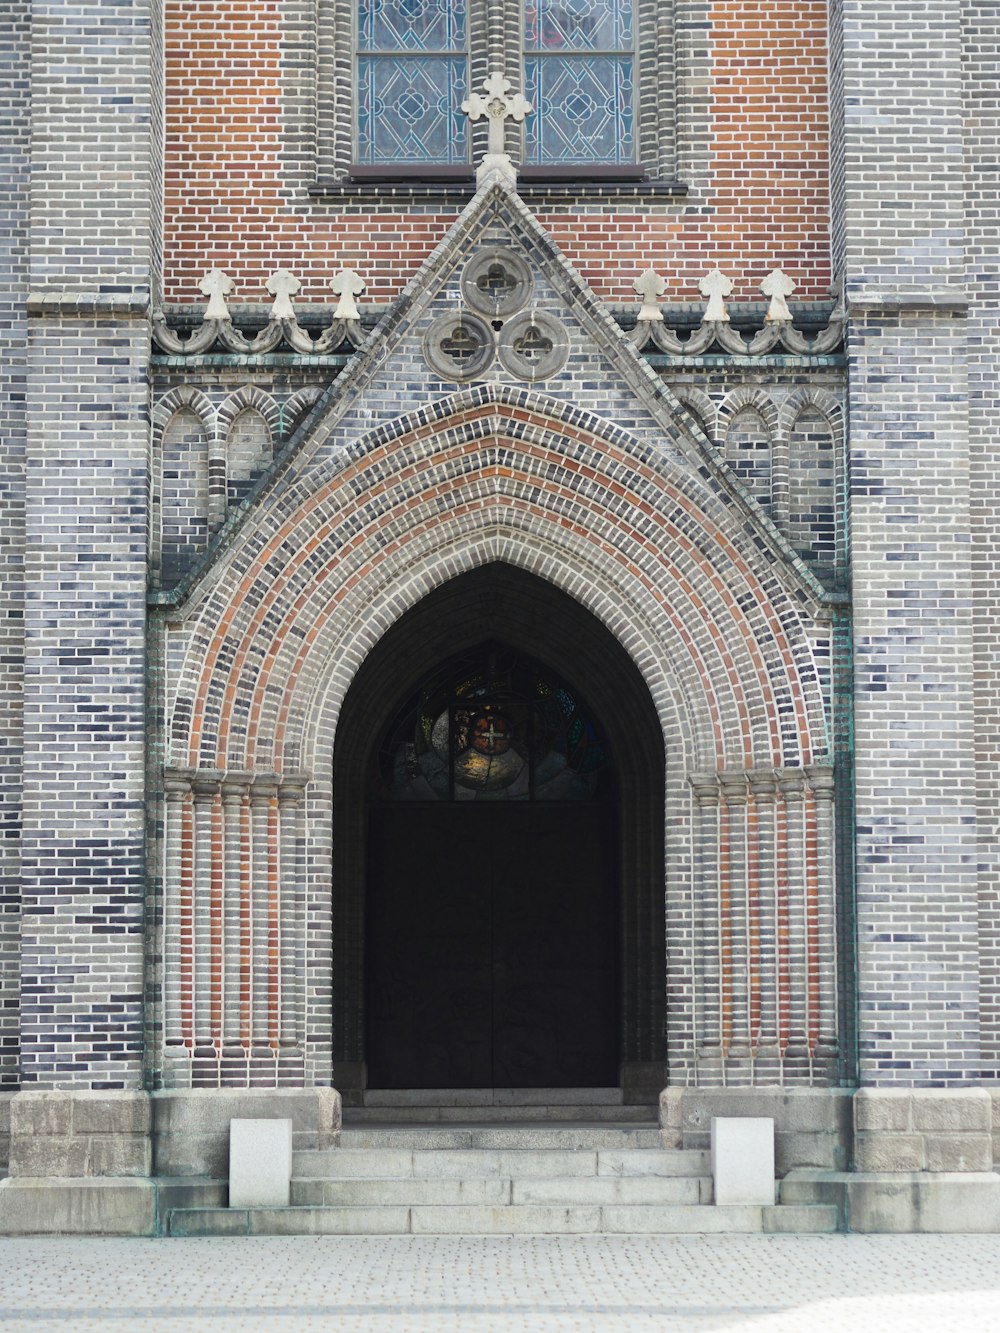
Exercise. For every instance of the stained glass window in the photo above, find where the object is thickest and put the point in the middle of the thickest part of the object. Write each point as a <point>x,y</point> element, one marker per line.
<point>493,726</point>
<point>412,76</point>
<point>579,76</point>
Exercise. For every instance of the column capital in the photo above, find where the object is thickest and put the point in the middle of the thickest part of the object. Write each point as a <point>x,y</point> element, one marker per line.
<point>791,783</point>
<point>763,785</point>
<point>733,782</point>
<point>177,784</point>
<point>205,784</point>
<point>705,787</point>
<point>822,781</point>
<point>292,788</point>
<point>263,789</point>
<point>235,785</point>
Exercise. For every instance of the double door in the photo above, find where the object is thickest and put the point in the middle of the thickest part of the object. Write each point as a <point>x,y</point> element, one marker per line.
<point>492,946</point>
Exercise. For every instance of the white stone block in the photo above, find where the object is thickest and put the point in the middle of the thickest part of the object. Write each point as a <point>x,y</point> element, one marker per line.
<point>743,1159</point>
<point>260,1163</point>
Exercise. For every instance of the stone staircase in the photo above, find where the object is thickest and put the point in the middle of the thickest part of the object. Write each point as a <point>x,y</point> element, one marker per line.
<point>503,1171</point>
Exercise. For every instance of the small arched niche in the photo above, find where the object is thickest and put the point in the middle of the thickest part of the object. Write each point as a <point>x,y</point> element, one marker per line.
<point>748,453</point>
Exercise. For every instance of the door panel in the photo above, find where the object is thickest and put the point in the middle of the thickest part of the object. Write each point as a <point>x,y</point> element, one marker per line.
<point>492,947</point>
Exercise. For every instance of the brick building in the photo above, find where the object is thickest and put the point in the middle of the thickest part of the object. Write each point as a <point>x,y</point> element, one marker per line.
<point>578,410</point>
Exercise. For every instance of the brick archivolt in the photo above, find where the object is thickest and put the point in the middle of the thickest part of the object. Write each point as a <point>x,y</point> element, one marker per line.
<point>726,640</point>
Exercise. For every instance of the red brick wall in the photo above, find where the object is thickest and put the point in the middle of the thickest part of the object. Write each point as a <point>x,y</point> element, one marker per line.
<point>228,206</point>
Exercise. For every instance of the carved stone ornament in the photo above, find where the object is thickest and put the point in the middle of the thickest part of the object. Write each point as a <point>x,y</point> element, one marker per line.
<point>497,283</point>
<point>499,105</point>
<point>217,328</point>
<point>533,346</point>
<point>715,287</point>
<point>459,346</point>
<point>650,287</point>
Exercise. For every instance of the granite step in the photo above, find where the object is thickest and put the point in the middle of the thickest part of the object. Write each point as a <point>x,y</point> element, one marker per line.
<point>524,1219</point>
<point>476,1163</point>
<point>375,1115</point>
<point>503,1190</point>
<point>505,1097</point>
<point>503,1134</point>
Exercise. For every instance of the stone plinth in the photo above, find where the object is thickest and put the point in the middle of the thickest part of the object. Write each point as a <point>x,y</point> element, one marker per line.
<point>260,1163</point>
<point>743,1159</point>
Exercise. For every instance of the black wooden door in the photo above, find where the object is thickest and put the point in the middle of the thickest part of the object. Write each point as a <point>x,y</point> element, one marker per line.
<point>492,946</point>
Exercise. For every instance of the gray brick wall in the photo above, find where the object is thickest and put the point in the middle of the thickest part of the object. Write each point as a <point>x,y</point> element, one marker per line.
<point>981,23</point>
<point>14,128</point>
<point>93,249</point>
<point>901,232</point>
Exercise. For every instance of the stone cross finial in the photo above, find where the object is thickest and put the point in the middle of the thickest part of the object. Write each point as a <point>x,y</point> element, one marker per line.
<point>650,287</point>
<point>497,106</point>
<point>282,286</point>
<point>347,285</point>
<point>778,286</point>
<point>217,285</point>
<point>716,286</point>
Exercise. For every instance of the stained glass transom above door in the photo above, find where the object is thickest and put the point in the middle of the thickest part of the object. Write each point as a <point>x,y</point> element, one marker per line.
<point>493,725</point>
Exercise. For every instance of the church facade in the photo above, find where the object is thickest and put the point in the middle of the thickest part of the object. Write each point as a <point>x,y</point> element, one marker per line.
<point>499,586</point>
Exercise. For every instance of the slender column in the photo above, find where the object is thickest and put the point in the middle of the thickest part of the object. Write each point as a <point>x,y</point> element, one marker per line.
<point>177,791</point>
<point>246,922</point>
<point>273,921</point>
<point>734,791</point>
<point>217,484</point>
<point>206,789</point>
<point>823,783</point>
<point>780,481</point>
<point>235,789</point>
<point>790,784</point>
<point>291,795</point>
<point>262,793</point>
<point>708,960</point>
<point>763,787</point>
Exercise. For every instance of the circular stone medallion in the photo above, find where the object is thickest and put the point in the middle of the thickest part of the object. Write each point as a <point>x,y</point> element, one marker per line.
<point>496,282</point>
<point>459,346</point>
<point>533,346</point>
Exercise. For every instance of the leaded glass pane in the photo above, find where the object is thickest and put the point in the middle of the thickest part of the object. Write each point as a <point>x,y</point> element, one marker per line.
<point>494,726</point>
<point>412,25</point>
<point>409,110</point>
<point>583,109</point>
<point>578,25</point>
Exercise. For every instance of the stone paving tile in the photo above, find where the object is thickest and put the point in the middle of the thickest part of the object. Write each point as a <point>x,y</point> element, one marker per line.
<point>761,1284</point>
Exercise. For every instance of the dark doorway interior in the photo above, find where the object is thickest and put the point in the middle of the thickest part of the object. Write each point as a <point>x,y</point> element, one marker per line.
<point>544,904</point>
<point>492,947</point>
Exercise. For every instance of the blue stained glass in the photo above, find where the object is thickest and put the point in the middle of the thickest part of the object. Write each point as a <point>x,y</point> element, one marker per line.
<point>583,109</point>
<point>412,25</point>
<point>578,25</point>
<point>409,110</point>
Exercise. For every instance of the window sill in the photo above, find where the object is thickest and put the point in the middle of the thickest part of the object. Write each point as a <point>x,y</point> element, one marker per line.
<point>393,189</point>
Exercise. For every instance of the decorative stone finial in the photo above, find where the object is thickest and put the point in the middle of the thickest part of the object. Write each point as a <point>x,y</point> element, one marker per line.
<point>217,285</point>
<point>778,286</point>
<point>282,286</point>
<point>347,285</point>
<point>497,106</point>
<point>650,287</point>
<point>715,286</point>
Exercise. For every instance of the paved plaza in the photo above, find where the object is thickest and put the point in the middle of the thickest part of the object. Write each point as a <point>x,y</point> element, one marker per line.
<point>767,1284</point>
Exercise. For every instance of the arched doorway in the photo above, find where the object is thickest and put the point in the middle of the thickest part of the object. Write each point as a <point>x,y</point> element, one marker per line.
<point>467,916</point>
